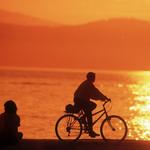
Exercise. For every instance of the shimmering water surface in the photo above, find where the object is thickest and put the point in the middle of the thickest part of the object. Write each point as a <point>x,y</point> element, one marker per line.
<point>41,96</point>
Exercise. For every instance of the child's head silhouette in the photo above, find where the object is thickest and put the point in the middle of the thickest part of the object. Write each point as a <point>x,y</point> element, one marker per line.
<point>10,107</point>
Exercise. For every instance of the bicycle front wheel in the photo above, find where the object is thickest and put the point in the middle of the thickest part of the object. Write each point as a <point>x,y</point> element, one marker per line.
<point>114,128</point>
<point>68,127</point>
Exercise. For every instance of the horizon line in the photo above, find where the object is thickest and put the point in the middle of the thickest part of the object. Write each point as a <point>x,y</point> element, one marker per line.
<point>57,69</point>
<point>75,24</point>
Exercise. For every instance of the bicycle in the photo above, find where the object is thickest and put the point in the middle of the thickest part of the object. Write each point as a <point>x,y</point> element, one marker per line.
<point>112,128</point>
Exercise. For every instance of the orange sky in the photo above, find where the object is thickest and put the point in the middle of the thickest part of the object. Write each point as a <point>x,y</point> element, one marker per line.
<point>61,47</point>
<point>79,11</point>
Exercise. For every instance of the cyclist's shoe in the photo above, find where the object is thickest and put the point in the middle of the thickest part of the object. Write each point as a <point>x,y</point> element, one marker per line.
<point>93,134</point>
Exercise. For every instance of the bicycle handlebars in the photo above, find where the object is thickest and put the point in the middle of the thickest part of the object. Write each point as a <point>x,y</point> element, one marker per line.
<point>106,101</point>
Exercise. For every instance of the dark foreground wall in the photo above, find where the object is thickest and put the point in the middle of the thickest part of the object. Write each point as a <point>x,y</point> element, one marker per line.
<point>31,144</point>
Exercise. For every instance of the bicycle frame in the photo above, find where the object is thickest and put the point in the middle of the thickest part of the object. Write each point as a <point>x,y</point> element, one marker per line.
<point>78,122</point>
<point>103,111</point>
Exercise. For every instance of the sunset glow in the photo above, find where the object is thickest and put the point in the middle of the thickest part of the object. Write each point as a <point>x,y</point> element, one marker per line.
<point>77,11</point>
<point>90,31</point>
<point>141,107</point>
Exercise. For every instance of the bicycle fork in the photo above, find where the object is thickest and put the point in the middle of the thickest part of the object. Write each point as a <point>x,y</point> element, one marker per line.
<point>109,120</point>
<point>110,124</point>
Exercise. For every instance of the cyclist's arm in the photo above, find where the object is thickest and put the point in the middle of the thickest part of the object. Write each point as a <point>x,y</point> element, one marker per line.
<point>100,96</point>
<point>97,95</point>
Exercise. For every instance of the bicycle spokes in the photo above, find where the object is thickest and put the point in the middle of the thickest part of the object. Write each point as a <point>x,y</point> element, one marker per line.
<point>70,123</point>
<point>68,127</point>
<point>114,128</point>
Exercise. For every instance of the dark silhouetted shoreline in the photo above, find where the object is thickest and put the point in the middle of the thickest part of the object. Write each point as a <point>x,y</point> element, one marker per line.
<point>51,144</point>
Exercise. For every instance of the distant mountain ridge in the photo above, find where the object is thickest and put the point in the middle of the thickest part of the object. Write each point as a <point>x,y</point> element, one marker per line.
<point>22,19</point>
<point>107,44</point>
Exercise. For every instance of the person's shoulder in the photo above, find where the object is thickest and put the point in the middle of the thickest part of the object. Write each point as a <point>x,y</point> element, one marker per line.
<point>83,82</point>
<point>87,83</point>
<point>2,114</point>
<point>17,116</point>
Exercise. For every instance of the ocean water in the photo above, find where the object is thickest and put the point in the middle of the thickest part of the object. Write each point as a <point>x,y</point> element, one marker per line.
<point>41,96</point>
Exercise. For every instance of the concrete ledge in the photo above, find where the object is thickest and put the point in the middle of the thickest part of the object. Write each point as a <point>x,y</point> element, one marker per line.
<point>89,144</point>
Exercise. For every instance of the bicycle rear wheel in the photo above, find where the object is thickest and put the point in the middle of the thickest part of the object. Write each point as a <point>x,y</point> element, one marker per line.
<point>114,129</point>
<point>68,127</point>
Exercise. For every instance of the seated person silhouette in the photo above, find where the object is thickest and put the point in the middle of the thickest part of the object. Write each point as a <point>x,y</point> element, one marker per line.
<point>82,96</point>
<point>9,123</point>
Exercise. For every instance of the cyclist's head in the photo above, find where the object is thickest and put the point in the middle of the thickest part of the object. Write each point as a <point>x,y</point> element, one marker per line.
<point>10,107</point>
<point>90,76</point>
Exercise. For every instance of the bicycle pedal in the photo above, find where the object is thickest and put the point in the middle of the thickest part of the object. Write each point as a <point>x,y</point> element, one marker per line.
<point>86,132</point>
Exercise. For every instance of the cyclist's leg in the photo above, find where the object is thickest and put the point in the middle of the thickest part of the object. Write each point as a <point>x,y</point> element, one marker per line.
<point>88,107</point>
<point>88,113</point>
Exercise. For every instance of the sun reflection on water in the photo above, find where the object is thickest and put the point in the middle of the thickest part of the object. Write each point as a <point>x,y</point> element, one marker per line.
<point>140,110</point>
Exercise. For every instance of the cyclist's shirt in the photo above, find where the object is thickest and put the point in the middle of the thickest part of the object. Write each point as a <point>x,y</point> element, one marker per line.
<point>87,91</point>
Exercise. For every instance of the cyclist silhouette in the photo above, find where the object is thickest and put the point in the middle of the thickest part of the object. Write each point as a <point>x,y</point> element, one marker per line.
<point>82,96</point>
